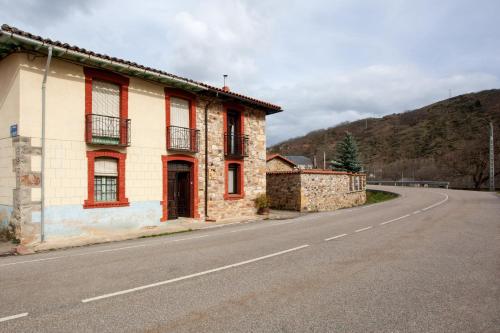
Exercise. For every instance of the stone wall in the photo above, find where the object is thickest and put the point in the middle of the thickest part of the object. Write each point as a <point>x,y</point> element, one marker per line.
<point>283,190</point>
<point>254,165</point>
<point>314,190</point>
<point>7,183</point>
<point>277,164</point>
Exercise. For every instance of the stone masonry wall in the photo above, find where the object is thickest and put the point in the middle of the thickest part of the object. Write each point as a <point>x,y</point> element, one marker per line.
<point>254,165</point>
<point>276,164</point>
<point>283,190</point>
<point>325,192</point>
<point>26,195</point>
<point>313,190</point>
<point>7,184</point>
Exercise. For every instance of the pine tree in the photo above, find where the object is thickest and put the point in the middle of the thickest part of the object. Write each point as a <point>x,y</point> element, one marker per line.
<point>346,158</point>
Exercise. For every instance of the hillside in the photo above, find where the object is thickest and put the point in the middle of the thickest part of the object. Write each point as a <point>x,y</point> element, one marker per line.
<point>447,140</point>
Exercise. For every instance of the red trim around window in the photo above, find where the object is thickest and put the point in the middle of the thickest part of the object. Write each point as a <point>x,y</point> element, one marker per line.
<point>122,200</point>
<point>241,180</point>
<point>194,186</point>
<point>122,81</point>
<point>191,98</point>
<point>234,107</point>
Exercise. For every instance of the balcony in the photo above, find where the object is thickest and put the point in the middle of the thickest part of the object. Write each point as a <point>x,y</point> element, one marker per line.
<point>183,139</point>
<point>235,145</point>
<point>106,130</point>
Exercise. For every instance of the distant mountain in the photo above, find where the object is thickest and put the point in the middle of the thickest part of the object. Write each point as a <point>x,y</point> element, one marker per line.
<point>447,140</point>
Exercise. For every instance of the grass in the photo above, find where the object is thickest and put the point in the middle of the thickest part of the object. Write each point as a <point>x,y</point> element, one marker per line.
<point>374,196</point>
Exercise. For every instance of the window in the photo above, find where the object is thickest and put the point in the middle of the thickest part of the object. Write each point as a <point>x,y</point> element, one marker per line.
<point>106,179</point>
<point>235,142</point>
<point>181,121</point>
<point>355,183</point>
<point>234,180</point>
<point>106,108</point>
<point>105,112</point>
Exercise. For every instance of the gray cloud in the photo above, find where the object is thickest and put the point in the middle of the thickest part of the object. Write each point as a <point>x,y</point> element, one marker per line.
<point>324,62</point>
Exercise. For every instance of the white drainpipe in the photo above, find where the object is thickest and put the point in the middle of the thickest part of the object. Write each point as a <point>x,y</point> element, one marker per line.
<point>42,196</point>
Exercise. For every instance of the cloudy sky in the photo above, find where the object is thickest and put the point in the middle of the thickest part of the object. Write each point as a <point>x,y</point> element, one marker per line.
<point>324,62</point>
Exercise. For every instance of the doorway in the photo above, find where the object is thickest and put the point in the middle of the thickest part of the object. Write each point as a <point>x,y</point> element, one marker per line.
<point>179,189</point>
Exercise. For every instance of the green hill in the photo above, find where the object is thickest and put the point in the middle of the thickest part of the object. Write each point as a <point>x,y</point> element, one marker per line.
<point>447,140</point>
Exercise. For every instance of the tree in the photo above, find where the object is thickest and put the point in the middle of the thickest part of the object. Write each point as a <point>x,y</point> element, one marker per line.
<point>346,158</point>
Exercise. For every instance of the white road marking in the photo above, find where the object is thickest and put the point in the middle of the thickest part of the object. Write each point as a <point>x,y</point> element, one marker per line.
<point>363,229</point>
<point>438,203</point>
<point>218,269</point>
<point>396,219</point>
<point>335,237</point>
<point>14,317</point>
<point>416,212</point>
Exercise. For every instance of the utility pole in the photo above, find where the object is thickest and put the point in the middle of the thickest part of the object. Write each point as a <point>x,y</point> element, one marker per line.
<point>492,160</point>
<point>324,161</point>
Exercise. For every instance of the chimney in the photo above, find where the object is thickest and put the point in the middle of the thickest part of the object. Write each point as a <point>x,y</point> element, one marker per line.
<point>225,88</point>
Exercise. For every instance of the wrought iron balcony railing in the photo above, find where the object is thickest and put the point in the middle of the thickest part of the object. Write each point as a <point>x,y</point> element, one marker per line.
<point>235,145</point>
<point>106,130</point>
<point>182,138</point>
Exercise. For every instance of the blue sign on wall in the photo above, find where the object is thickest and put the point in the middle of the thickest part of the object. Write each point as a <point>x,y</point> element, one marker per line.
<point>13,130</point>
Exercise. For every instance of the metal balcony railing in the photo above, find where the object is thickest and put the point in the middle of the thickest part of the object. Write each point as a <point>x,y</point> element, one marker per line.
<point>106,130</point>
<point>183,139</point>
<point>235,145</point>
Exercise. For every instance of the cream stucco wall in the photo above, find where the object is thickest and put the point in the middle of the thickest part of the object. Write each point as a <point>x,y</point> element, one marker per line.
<point>9,93</point>
<point>9,115</point>
<point>66,161</point>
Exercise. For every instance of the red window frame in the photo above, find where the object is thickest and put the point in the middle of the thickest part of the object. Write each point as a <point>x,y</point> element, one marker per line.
<point>194,187</point>
<point>241,180</point>
<point>122,200</point>
<point>232,107</point>
<point>191,98</point>
<point>122,81</point>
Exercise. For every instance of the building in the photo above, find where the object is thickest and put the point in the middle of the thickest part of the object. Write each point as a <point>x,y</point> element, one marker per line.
<point>315,190</point>
<point>126,146</point>
<point>301,162</point>
<point>276,162</point>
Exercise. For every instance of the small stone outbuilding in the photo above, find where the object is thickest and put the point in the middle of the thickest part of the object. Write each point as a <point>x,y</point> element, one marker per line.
<point>276,162</point>
<point>315,190</point>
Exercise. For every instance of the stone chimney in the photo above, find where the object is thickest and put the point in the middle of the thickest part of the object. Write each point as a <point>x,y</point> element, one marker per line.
<point>225,87</point>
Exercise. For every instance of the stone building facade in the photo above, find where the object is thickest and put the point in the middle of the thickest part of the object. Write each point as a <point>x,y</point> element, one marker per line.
<point>315,190</point>
<point>144,172</point>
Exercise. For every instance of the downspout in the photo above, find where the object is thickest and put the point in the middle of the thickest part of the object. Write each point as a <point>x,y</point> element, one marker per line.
<point>42,196</point>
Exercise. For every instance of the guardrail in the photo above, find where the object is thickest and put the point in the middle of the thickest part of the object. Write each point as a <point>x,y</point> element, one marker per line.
<point>410,183</point>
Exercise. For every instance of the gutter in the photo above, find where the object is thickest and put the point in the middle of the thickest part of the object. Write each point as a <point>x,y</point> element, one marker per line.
<point>42,195</point>
<point>63,50</point>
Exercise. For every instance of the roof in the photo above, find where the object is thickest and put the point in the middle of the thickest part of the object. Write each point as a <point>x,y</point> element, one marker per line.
<point>314,172</point>
<point>273,156</point>
<point>13,39</point>
<point>299,160</point>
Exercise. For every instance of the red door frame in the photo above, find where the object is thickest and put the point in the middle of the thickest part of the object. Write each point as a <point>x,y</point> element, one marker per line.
<point>194,186</point>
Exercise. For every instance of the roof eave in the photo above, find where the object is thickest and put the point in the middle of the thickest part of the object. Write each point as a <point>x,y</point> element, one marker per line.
<point>11,42</point>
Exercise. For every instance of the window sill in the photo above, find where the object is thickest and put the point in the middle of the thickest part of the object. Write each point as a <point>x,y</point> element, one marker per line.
<point>88,205</point>
<point>233,196</point>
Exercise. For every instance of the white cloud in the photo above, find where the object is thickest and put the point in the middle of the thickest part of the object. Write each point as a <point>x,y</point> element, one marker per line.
<point>324,62</point>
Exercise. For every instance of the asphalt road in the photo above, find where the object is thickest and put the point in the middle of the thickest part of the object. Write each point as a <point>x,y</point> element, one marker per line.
<point>428,261</point>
